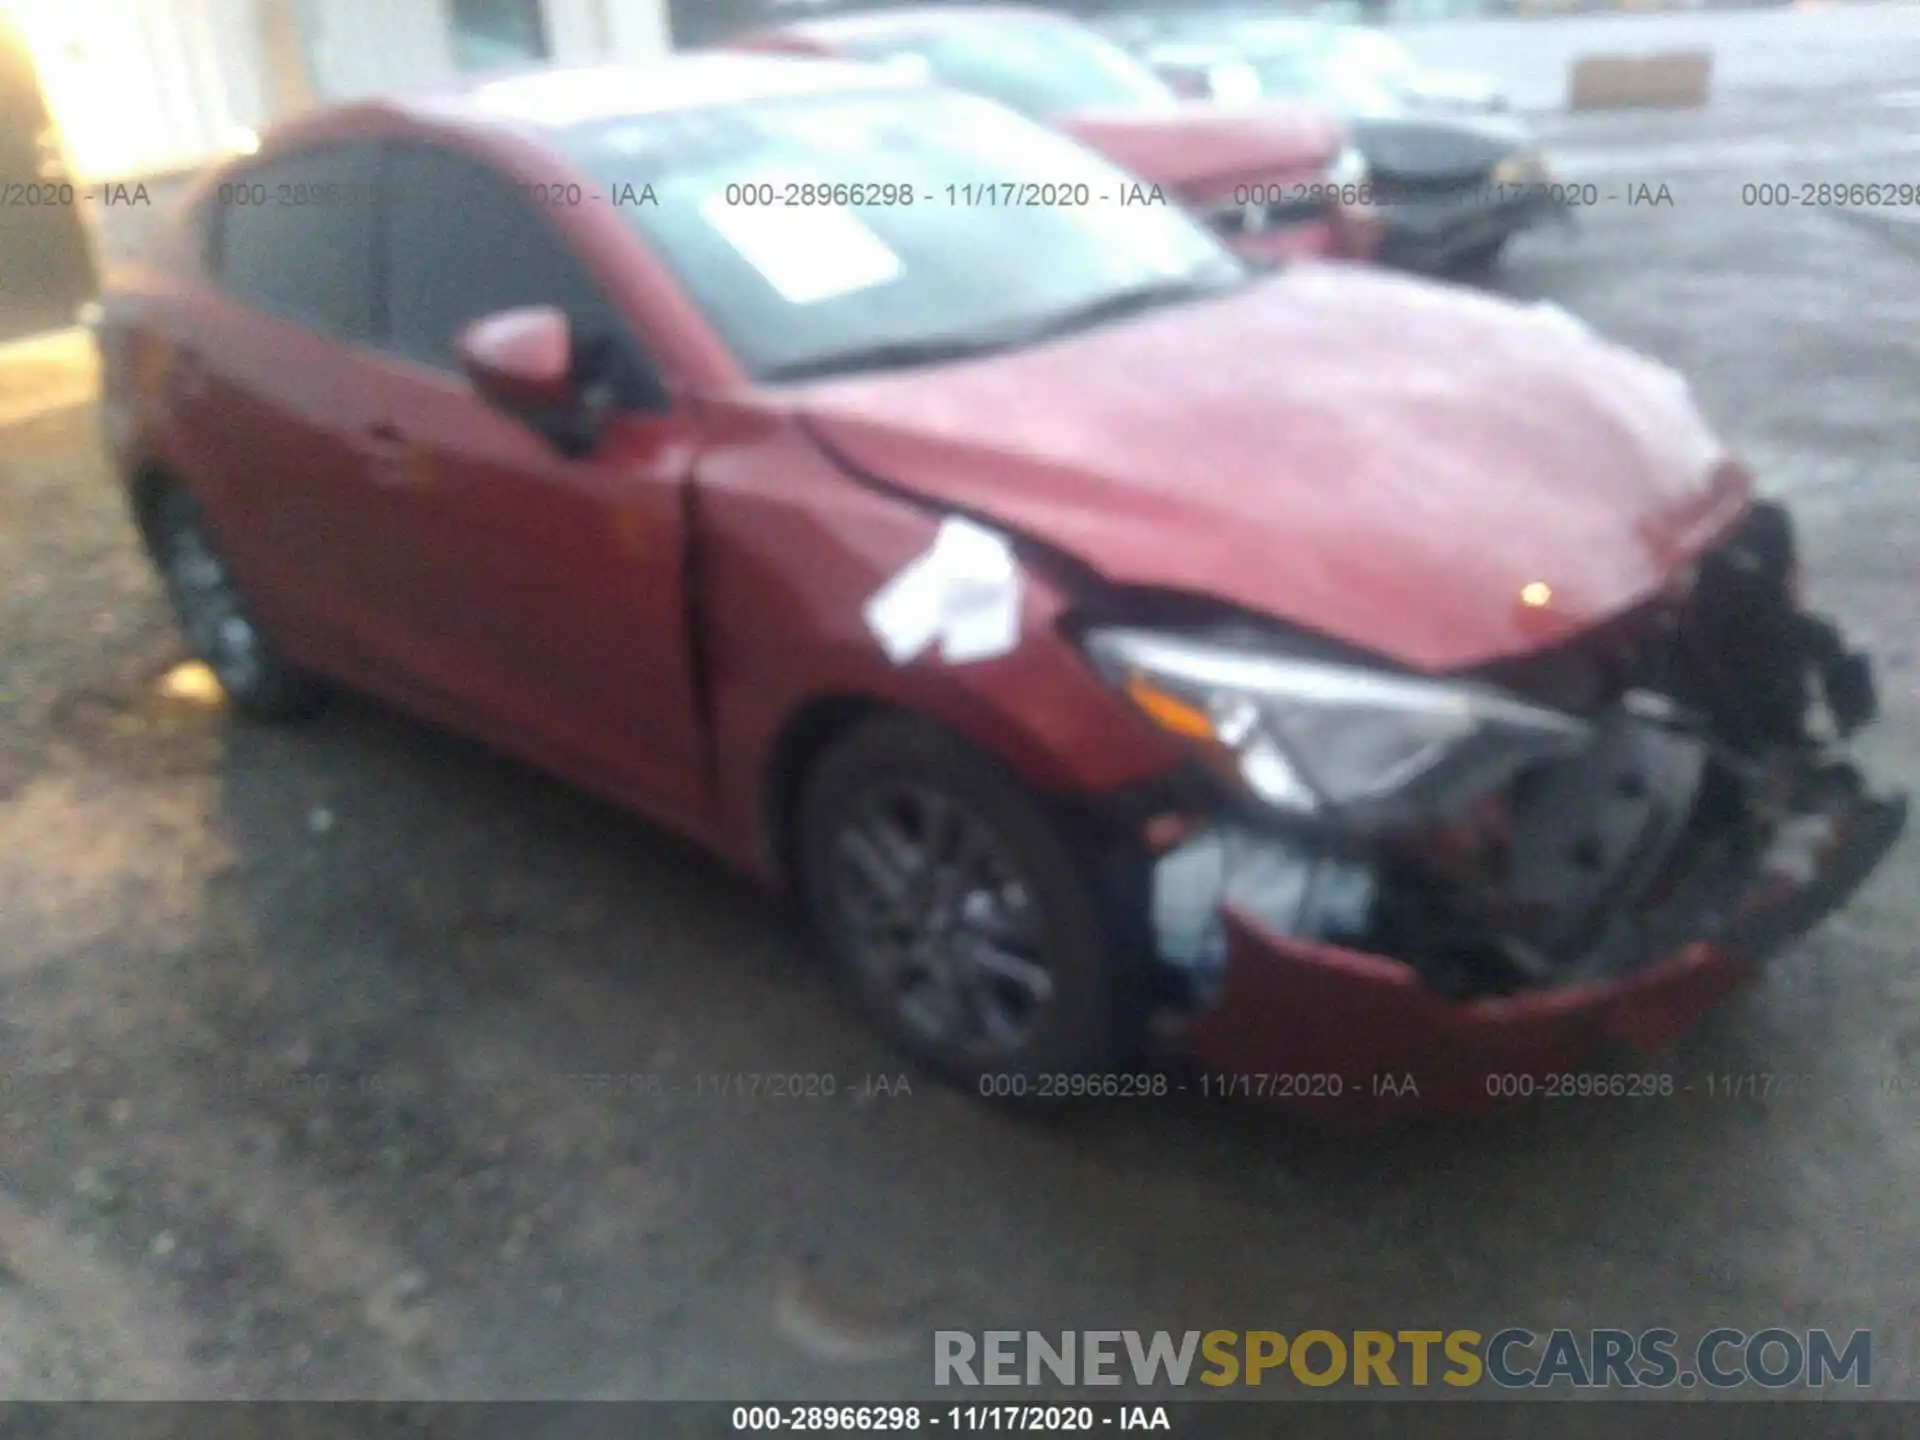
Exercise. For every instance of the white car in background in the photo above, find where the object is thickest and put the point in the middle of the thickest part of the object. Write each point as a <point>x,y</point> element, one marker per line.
<point>1375,68</point>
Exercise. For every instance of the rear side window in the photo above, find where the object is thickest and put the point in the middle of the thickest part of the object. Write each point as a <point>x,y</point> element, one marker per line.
<point>294,237</point>
<point>463,242</point>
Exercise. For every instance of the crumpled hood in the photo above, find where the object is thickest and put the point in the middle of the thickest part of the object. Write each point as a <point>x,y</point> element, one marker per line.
<point>1201,143</point>
<point>1377,459</point>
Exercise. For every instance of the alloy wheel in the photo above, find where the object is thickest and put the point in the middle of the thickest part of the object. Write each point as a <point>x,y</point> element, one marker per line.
<point>941,920</point>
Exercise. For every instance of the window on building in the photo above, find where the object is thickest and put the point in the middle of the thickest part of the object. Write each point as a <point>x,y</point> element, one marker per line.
<point>294,237</point>
<point>494,34</point>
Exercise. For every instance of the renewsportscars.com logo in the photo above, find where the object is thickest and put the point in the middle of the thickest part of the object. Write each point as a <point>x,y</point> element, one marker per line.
<point>1516,1358</point>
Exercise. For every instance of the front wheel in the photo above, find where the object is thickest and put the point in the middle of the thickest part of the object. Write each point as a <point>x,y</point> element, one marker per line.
<point>955,911</point>
<point>219,625</point>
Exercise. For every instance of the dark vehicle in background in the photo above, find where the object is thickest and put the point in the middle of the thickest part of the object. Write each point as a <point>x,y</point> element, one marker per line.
<point>1269,178</point>
<point>1105,640</point>
<point>1452,177</point>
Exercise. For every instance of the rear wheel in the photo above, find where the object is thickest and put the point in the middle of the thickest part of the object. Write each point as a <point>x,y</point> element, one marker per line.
<point>954,909</point>
<point>220,626</point>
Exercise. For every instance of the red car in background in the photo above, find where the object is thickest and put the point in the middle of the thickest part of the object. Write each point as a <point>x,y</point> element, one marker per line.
<point>1103,638</point>
<point>1273,180</point>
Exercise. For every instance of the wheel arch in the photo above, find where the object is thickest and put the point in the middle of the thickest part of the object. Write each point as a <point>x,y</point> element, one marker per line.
<point>813,729</point>
<point>145,484</point>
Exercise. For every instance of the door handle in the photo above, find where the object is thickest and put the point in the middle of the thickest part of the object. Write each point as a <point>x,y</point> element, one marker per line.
<point>397,461</point>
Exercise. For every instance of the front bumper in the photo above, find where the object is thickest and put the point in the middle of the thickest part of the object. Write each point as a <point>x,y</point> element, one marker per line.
<point>1604,899</point>
<point>1332,1029</point>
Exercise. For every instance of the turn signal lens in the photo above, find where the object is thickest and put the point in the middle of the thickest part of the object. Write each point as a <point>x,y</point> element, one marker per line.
<point>1169,712</point>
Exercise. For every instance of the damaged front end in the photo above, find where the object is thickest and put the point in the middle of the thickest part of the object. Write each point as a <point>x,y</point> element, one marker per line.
<point>1416,891</point>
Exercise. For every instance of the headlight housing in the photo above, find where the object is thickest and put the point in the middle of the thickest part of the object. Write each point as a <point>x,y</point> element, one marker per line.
<point>1349,167</point>
<point>1524,168</point>
<point>1329,742</point>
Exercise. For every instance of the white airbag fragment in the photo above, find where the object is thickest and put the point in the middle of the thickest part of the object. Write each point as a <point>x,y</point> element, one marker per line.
<point>963,592</point>
<point>1280,884</point>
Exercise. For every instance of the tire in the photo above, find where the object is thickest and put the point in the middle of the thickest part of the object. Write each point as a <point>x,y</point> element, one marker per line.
<point>218,622</point>
<point>933,966</point>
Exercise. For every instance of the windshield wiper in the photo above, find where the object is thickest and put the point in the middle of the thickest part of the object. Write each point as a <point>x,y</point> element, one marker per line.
<point>888,355</point>
<point>1123,303</point>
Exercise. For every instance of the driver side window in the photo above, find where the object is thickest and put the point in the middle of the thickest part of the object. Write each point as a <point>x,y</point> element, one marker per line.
<point>463,242</point>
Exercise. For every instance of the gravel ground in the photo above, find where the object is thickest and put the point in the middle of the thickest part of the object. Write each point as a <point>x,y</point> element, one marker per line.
<point>291,1020</point>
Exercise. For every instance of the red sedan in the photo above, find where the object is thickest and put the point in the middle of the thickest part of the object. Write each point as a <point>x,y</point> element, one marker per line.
<point>1100,637</point>
<point>1274,180</point>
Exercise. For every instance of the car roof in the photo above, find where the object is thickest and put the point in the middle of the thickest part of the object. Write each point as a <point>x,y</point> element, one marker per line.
<point>546,100</point>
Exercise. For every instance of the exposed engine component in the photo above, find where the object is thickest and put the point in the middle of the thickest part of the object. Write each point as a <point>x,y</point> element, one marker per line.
<point>1737,648</point>
<point>1589,836</point>
<point>1705,768</point>
<point>1751,657</point>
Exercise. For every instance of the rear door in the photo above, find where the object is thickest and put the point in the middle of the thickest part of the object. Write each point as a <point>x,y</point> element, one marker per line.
<point>271,383</point>
<point>547,594</point>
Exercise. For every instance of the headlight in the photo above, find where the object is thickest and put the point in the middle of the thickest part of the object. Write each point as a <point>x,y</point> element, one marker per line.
<point>1349,168</point>
<point>1314,738</point>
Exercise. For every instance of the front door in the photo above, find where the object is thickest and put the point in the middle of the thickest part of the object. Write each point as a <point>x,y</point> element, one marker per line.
<point>548,595</point>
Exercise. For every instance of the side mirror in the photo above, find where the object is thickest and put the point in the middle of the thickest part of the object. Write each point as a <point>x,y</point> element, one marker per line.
<point>521,360</point>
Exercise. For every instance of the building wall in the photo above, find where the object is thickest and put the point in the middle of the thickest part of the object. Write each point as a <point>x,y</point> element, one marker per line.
<point>636,30</point>
<point>144,86</point>
<point>140,85</point>
<point>364,47</point>
<point>415,41</point>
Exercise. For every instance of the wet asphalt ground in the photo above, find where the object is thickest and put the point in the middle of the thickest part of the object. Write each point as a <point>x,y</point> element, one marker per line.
<point>293,1023</point>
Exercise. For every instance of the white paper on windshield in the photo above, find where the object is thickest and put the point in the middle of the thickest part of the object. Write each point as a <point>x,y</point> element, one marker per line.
<point>964,592</point>
<point>808,253</point>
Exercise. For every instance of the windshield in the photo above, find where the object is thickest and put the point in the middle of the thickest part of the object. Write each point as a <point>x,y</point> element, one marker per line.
<point>866,227</point>
<point>1040,66</point>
